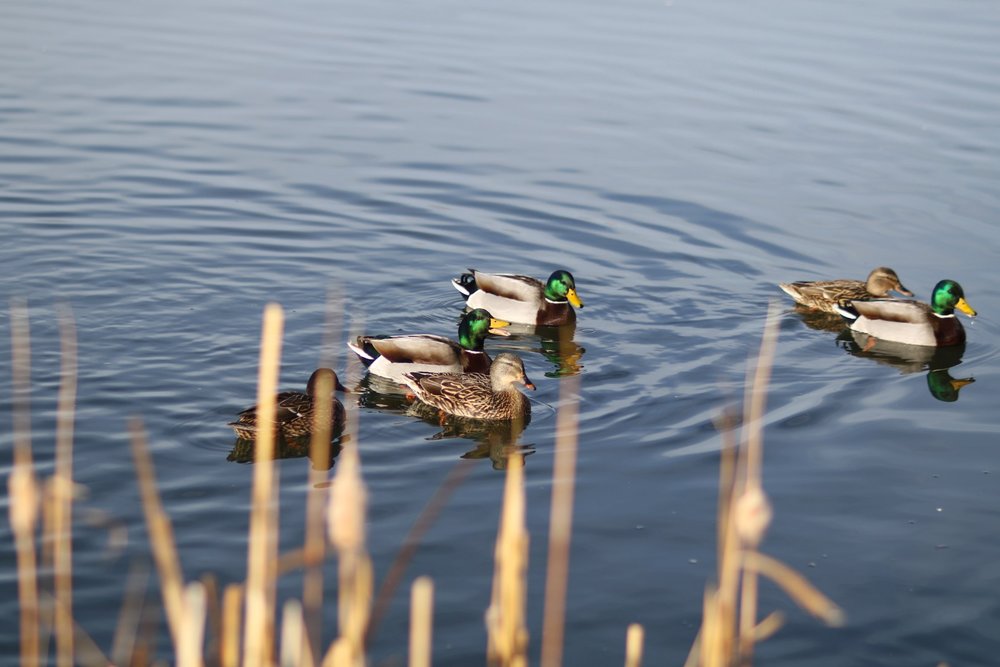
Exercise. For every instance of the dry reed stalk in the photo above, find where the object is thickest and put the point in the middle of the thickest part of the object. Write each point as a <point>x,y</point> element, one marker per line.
<point>560,523</point>
<point>258,636</point>
<point>123,645</point>
<point>161,534</point>
<point>431,511</point>
<point>314,544</point>
<point>22,486</point>
<point>192,636</point>
<point>753,455</point>
<point>797,587</point>
<point>229,635</point>
<point>508,635</point>
<point>421,621</point>
<point>728,547</point>
<point>88,652</point>
<point>294,651</point>
<point>634,638</point>
<point>62,537</point>
<point>729,628</point>
<point>346,524</point>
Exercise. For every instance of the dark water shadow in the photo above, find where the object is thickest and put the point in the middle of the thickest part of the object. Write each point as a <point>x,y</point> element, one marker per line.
<point>908,359</point>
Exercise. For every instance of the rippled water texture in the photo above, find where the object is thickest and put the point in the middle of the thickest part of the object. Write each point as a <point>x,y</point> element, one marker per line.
<point>166,169</point>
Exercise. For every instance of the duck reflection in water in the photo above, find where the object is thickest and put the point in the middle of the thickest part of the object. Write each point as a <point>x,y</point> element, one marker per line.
<point>937,361</point>
<point>298,417</point>
<point>556,344</point>
<point>496,440</point>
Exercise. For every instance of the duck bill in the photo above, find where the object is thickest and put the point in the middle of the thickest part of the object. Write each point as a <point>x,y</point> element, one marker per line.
<point>496,327</point>
<point>958,384</point>
<point>964,306</point>
<point>574,299</point>
<point>529,384</point>
<point>902,290</point>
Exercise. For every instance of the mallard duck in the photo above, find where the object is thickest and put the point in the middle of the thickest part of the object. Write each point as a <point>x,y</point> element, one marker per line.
<point>393,356</point>
<point>912,322</point>
<point>522,299</point>
<point>826,294</point>
<point>476,395</point>
<point>294,411</point>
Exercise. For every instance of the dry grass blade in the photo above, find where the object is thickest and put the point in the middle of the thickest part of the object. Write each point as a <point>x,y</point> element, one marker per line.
<point>560,523</point>
<point>88,652</point>
<point>798,588</point>
<point>22,486</point>
<point>262,549</point>
<point>123,646</point>
<point>412,541</point>
<point>63,489</point>
<point>771,624</point>
<point>161,533</point>
<point>421,622</point>
<point>634,638</point>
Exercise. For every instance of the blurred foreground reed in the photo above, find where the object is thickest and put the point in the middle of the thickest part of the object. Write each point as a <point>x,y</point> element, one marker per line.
<point>239,625</point>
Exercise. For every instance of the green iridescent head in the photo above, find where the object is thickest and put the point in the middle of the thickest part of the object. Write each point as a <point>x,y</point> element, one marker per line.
<point>475,325</point>
<point>947,296</point>
<point>562,287</point>
<point>944,387</point>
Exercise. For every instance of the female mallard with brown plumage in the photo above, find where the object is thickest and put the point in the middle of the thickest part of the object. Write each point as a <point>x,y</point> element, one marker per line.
<point>522,299</point>
<point>393,356</point>
<point>476,395</point>
<point>295,412</point>
<point>826,294</point>
<point>912,322</point>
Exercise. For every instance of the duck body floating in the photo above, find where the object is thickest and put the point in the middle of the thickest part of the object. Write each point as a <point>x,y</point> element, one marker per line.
<point>522,299</point>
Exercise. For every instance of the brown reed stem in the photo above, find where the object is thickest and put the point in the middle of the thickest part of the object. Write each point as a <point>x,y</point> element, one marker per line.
<point>161,534</point>
<point>560,523</point>
<point>508,635</point>
<point>22,485</point>
<point>63,490</point>
<point>229,640</point>
<point>634,638</point>
<point>123,645</point>
<point>262,548</point>
<point>421,622</point>
<point>456,476</point>
<point>314,545</point>
<point>346,524</point>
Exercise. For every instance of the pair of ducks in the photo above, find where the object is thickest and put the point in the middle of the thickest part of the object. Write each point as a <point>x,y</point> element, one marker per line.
<point>457,378</point>
<point>865,306</point>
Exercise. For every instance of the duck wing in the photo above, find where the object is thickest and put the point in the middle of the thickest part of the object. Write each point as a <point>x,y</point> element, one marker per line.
<point>417,349</point>
<point>893,310</point>
<point>510,286</point>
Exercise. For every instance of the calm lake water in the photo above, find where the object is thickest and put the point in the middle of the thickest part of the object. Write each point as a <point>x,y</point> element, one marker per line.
<point>166,169</point>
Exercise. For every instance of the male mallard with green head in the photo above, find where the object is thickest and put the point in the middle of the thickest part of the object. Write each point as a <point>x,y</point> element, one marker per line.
<point>475,395</point>
<point>522,299</point>
<point>912,322</point>
<point>295,413</point>
<point>826,294</point>
<point>393,356</point>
